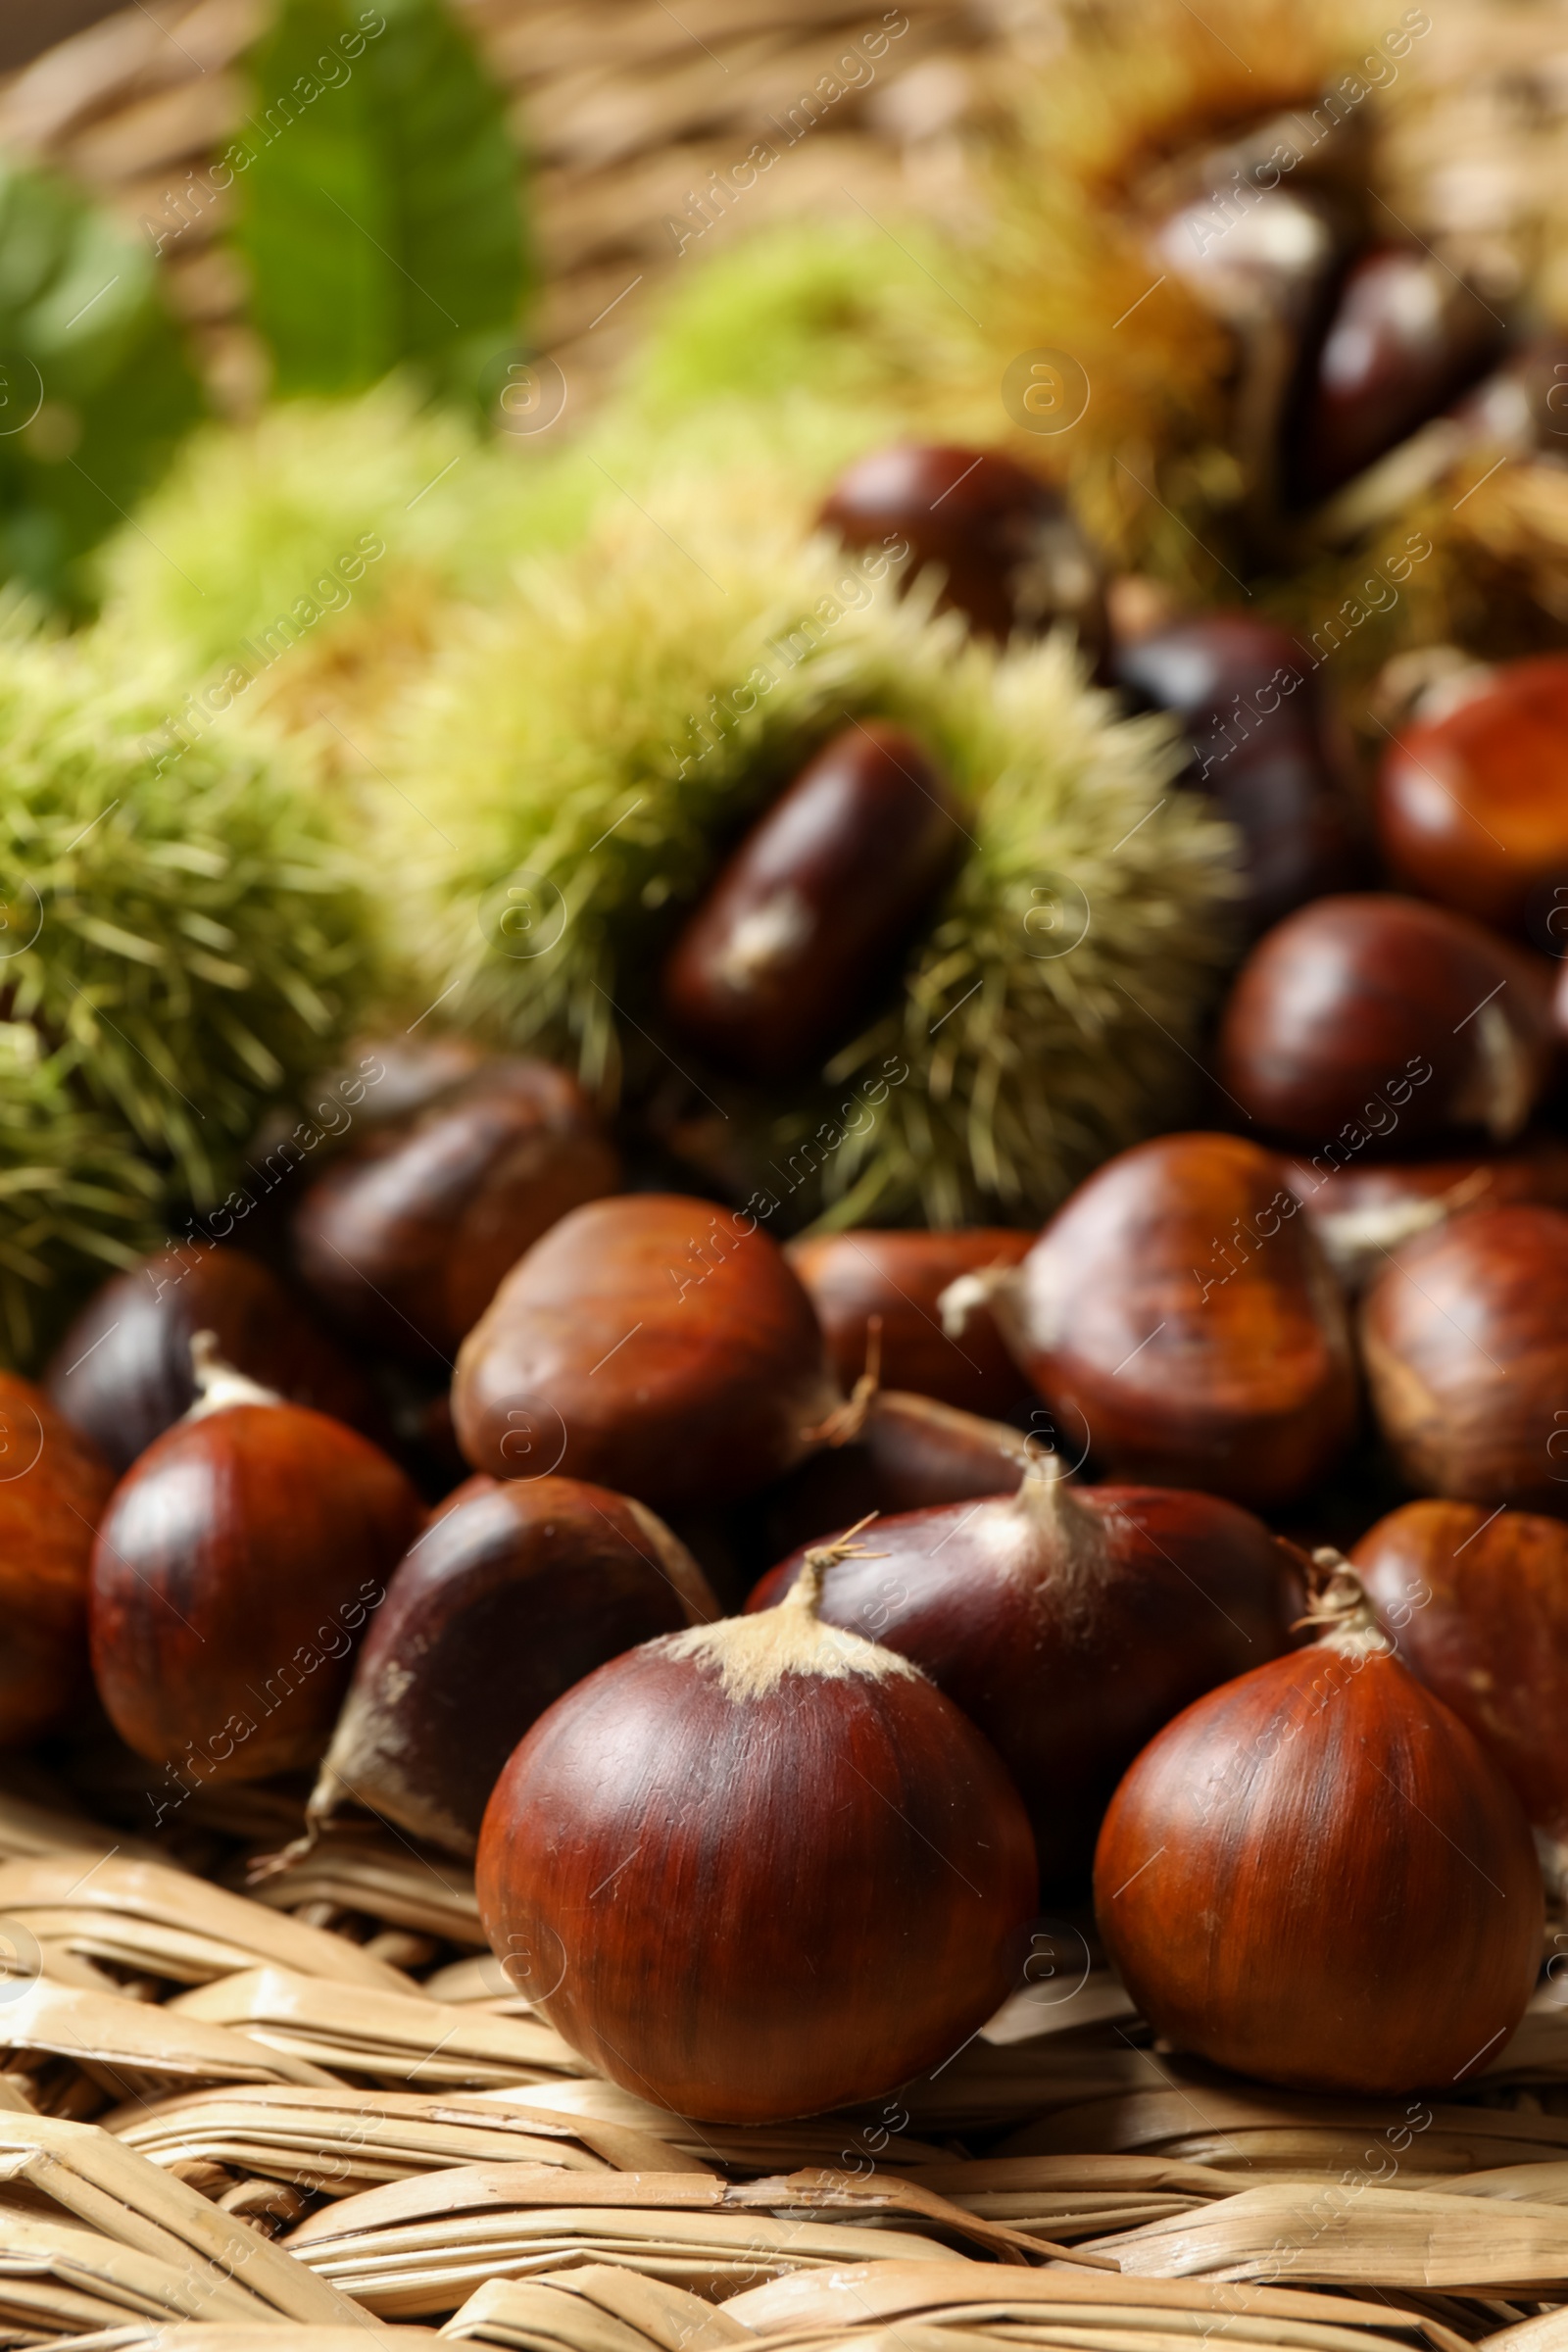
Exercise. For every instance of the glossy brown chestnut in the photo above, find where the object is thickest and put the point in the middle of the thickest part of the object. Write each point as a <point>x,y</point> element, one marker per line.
<point>1362,1211</point>
<point>1406,338</point>
<point>405,1237</point>
<point>1465,1338</point>
<point>889,1451</point>
<point>651,1343</point>
<point>1182,1323</point>
<point>896,1279</point>
<point>1382,1016</point>
<point>238,1560</point>
<point>1252,710</point>
<point>1476,1602</point>
<point>1010,549</point>
<point>122,1374</point>
<point>1069,1623</point>
<point>1472,807</point>
<point>765,1867</point>
<point>804,926</point>
<point>53,1488</point>
<point>1316,1876</point>
<point>512,1593</point>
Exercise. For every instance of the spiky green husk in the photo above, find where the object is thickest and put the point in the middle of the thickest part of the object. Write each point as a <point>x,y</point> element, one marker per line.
<point>186,942</point>
<point>596,743</point>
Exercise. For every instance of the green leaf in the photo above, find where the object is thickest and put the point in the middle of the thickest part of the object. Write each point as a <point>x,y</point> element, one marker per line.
<point>380,206</point>
<point>94,385</point>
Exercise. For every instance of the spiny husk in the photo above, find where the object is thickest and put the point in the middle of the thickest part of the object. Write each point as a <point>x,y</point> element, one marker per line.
<point>561,739</point>
<point>189,942</point>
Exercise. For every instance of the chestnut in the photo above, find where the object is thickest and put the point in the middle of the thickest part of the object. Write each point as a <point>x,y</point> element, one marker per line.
<point>512,1593</point>
<point>405,1237</point>
<point>53,1488</point>
<point>653,1344</point>
<point>804,925</point>
<point>1472,807</point>
<point>890,1451</point>
<point>121,1375</point>
<point>1179,1317</point>
<point>1069,1623</point>
<point>1316,1874</point>
<point>896,1279</point>
<point>1405,338</point>
<point>1250,708</point>
<point>1464,1335</point>
<point>1009,549</point>
<point>773,1870</point>
<point>1476,1602</point>
<point>237,1561</point>
<point>1371,1016</point>
<point>1362,1211</point>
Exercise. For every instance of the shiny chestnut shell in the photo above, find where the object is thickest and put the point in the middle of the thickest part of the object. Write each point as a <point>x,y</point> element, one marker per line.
<point>1362,1209</point>
<point>406,1239</point>
<point>1472,807</point>
<point>1316,1877</point>
<point>651,1343</point>
<point>893,1452</point>
<point>53,1488</point>
<point>1390,1017</point>
<point>897,1280</point>
<point>514,1593</point>
<point>1464,1335</point>
<point>1405,338</point>
<point>802,928</point>
<point>1010,551</point>
<point>1179,1319</point>
<point>1476,1602</point>
<point>122,1374</point>
<point>237,1562</point>
<point>1069,1623</point>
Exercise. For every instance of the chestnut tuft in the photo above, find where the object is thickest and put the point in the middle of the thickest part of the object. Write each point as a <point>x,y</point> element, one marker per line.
<point>512,1593</point>
<point>1010,549</point>
<point>766,1867</point>
<point>407,1237</point>
<point>1316,1876</point>
<point>236,1564</point>
<point>895,1281</point>
<point>1464,1334</point>
<point>1361,1211</point>
<point>653,1344</point>
<point>1476,1602</point>
<point>1388,1014</point>
<point>1179,1319</point>
<point>803,926</point>
<point>53,1488</point>
<point>121,1375</point>
<point>1069,1623</point>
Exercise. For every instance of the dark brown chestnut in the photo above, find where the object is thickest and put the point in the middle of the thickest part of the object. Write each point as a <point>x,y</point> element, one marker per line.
<point>888,1451</point>
<point>121,1375</point>
<point>1476,1602</point>
<point>896,1280</point>
<point>1362,1211</point>
<point>1179,1319</point>
<point>1383,1019</point>
<point>237,1562</point>
<point>1472,807</point>
<point>512,1593</point>
<point>1012,552</point>
<point>1406,338</point>
<point>653,1344</point>
<point>53,1488</point>
<point>1069,1623</point>
<point>1316,1876</point>
<point>804,925</point>
<point>1251,707</point>
<point>768,1869</point>
<point>1464,1335</point>
<point>406,1236</point>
